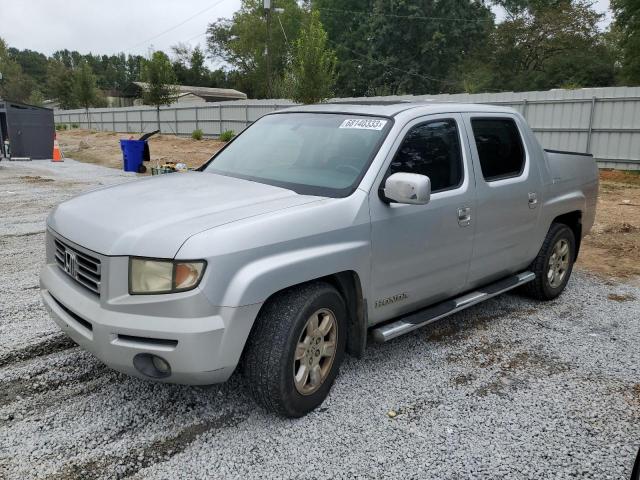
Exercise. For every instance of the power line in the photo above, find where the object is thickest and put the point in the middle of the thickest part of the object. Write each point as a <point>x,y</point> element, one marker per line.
<point>415,74</point>
<point>194,37</point>
<point>371,60</point>
<point>366,57</point>
<point>407,17</point>
<point>177,25</point>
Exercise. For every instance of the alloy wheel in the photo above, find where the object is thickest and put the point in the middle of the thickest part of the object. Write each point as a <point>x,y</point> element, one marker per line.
<point>315,351</point>
<point>558,263</point>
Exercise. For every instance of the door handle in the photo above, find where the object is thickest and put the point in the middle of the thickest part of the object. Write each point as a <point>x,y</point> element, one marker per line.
<point>464,216</point>
<point>533,199</point>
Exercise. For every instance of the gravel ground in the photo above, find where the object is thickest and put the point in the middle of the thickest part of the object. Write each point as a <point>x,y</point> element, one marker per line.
<point>508,389</point>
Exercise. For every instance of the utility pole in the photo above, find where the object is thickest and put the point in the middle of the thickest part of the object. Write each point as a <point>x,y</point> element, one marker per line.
<point>267,8</point>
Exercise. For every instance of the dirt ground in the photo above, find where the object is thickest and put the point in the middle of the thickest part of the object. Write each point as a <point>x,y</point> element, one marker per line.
<point>612,249</point>
<point>103,148</point>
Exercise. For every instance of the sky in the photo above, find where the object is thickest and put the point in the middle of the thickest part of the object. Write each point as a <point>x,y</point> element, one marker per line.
<point>130,26</point>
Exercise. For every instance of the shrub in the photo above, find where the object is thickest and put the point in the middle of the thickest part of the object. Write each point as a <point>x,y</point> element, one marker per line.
<point>197,134</point>
<point>61,126</point>
<point>227,135</point>
<point>75,125</point>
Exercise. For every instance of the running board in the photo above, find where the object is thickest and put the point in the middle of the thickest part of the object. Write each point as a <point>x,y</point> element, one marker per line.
<point>428,315</point>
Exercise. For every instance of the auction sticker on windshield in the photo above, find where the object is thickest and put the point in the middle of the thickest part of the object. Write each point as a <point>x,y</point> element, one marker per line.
<point>364,123</point>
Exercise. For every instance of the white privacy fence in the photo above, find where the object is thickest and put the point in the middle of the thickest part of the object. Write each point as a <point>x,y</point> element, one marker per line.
<point>602,121</point>
<point>212,118</point>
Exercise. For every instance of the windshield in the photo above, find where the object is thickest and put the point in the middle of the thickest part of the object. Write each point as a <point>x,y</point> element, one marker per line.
<point>310,153</point>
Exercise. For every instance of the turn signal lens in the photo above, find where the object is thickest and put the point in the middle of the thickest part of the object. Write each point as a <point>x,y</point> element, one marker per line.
<point>187,275</point>
<point>163,276</point>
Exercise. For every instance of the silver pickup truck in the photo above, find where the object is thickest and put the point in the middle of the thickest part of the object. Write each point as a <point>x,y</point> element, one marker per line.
<point>316,228</point>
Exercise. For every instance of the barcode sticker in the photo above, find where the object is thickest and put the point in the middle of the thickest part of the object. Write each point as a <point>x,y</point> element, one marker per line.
<point>363,124</point>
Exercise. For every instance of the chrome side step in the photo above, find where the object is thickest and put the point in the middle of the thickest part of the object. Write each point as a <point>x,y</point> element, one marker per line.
<point>428,315</point>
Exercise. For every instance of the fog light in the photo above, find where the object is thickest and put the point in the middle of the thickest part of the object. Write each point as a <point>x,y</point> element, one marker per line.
<point>161,364</point>
<point>151,365</point>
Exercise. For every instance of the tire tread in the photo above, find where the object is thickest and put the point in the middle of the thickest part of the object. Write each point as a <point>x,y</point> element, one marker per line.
<point>269,337</point>
<point>535,288</point>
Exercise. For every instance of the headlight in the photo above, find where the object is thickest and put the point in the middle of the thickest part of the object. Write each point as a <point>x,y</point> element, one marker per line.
<point>163,276</point>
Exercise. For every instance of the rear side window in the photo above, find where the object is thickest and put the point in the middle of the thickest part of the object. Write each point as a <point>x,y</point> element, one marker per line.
<point>499,147</point>
<point>431,149</point>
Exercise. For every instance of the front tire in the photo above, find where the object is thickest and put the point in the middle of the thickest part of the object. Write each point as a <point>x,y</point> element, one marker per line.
<point>295,349</point>
<point>554,263</point>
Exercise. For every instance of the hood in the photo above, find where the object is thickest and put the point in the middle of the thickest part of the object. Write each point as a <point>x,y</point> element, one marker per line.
<point>155,216</point>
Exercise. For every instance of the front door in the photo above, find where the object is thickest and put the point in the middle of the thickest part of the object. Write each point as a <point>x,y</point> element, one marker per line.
<point>508,189</point>
<point>421,253</point>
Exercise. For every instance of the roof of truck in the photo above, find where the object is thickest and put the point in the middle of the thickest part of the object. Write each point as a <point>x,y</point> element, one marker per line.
<point>391,109</point>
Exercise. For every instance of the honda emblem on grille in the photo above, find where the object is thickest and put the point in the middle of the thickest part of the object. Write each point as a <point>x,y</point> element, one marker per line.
<point>70,263</point>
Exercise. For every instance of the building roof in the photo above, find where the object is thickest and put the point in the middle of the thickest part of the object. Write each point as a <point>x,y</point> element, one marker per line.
<point>6,101</point>
<point>208,93</point>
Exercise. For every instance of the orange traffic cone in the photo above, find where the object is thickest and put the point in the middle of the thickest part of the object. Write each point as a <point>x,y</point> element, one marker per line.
<point>57,154</point>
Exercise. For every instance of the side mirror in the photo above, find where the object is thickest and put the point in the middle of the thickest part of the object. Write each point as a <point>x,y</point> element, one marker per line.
<point>409,188</point>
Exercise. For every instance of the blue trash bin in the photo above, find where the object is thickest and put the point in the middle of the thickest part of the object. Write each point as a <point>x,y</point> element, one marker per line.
<point>132,154</point>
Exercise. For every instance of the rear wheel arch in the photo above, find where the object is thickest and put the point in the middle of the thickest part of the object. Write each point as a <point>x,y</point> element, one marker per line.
<point>573,220</point>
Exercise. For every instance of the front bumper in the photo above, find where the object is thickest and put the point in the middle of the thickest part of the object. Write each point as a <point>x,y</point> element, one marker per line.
<point>202,343</point>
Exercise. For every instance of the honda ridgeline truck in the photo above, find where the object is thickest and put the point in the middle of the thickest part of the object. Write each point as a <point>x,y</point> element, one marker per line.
<point>316,228</point>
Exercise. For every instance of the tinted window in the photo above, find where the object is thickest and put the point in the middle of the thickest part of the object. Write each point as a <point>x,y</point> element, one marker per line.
<point>432,149</point>
<point>499,147</point>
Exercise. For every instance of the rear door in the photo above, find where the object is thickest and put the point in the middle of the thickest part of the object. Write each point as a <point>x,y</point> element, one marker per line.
<point>508,187</point>
<point>421,253</point>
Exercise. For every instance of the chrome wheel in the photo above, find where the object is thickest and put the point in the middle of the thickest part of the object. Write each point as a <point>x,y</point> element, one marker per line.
<point>315,351</point>
<point>558,263</point>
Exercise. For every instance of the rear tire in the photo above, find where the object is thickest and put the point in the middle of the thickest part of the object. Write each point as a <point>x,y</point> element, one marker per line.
<point>295,349</point>
<point>553,265</point>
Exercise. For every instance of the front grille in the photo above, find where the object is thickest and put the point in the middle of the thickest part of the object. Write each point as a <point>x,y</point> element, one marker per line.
<point>83,268</point>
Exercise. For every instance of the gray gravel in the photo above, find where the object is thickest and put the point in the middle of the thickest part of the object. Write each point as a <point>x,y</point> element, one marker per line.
<point>508,389</point>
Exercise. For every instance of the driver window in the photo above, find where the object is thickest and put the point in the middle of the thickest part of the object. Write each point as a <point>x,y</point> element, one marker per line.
<point>431,149</point>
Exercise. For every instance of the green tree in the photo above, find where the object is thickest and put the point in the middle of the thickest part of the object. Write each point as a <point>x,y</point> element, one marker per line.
<point>198,71</point>
<point>397,46</point>
<point>14,85</point>
<point>348,34</point>
<point>547,45</point>
<point>114,73</point>
<point>134,67</point>
<point>241,41</point>
<point>111,73</point>
<point>627,26</point>
<point>33,64</point>
<point>36,98</point>
<point>313,66</point>
<point>181,56</point>
<point>60,84</point>
<point>189,66</point>
<point>161,79</point>
<point>84,88</point>
<point>516,7</point>
<point>70,59</point>
<point>190,69</point>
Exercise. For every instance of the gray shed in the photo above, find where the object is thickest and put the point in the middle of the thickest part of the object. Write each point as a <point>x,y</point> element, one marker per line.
<point>28,128</point>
